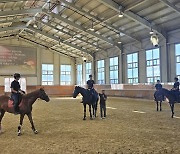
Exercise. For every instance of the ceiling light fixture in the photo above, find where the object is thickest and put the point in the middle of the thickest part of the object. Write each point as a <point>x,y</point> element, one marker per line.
<point>120,12</point>
<point>92,26</point>
<point>151,32</point>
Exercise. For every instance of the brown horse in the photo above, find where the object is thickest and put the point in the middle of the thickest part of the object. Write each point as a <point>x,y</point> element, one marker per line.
<point>25,106</point>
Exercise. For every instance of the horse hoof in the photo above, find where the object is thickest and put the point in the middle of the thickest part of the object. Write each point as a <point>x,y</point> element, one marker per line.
<point>19,134</point>
<point>35,132</point>
<point>84,118</point>
<point>91,118</point>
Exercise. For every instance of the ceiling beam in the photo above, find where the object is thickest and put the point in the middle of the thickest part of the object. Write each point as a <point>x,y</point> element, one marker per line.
<point>135,4</point>
<point>39,44</point>
<point>16,20</point>
<point>53,15</point>
<point>12,28</point>
<point>6,1</point>
<point>134,17</point>
<point>58,40</point>
<point>70,35</point>
<point>20,11</point>
<point>172,6</point>
<point>71,5</point>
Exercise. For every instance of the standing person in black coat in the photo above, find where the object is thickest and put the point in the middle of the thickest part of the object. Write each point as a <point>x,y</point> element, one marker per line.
<point>103,99</point>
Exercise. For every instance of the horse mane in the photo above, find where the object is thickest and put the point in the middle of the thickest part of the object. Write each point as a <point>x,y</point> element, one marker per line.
<point>31,94</point>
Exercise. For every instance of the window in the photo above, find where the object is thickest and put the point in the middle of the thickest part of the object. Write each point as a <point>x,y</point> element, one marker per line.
<point>132,68</point>
<point>88,70</point>
<point>100,72</point>
<point>65,75</point>
<point>47,74</point>
<point>153,65</point>
<point>113,70</point>
<point>7,83</point>
<point>177,53</point>
<point>79,74</point>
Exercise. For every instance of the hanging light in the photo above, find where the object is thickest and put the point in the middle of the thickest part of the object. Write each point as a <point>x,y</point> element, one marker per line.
<point>151,32</point>
<point>92,26</point>
<point>120,12</point>
<point>120,15</point>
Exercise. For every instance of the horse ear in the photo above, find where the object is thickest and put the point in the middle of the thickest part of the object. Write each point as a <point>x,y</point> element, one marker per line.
<point>42,88</point>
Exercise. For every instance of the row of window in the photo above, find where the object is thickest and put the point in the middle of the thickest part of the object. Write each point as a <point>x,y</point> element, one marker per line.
<point>47,74</point>
<point>152,69</point>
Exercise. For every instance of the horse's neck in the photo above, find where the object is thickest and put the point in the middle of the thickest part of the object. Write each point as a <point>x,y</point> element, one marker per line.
<point>83,92</point>
<point>32,97</point>
<point>166,93</point>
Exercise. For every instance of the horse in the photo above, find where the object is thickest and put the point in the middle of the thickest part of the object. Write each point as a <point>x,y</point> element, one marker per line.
<point>88,98</point>
<point>25,107</point>
<point>158,99</point>
<point>171,96</point>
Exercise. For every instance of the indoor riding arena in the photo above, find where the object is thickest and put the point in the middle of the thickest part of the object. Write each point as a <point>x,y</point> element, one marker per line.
<point>89,76</point>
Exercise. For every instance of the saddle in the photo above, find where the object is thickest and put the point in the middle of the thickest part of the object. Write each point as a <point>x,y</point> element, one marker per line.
<point>11,102</point>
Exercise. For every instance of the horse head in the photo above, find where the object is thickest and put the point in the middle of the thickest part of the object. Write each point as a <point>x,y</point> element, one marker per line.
<point>76,91</point>
<point>43,95</point>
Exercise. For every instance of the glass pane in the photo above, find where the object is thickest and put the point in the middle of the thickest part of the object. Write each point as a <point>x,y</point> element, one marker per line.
<point>111,74</point>
<point>50,78</point>
<point>44,67</point>
<point>177,48</point>
<point>148,54</point>
<point>135,57</point>
<point>178,68</point>
<point>44,77</point>
<point>115,74</point>
<point>149,71</point>
<point>130,73</point>
<point>155,53</point>
<point>63,68</point>
<point>129,58</point>
<point>156,71</point>
<point>50,67</point>
<point>135,72</point>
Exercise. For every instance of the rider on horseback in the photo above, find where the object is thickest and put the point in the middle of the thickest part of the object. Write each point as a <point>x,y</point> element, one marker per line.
<point>158,87</point>
<point>90,84</point>
<point>175,88</point>
<point>16,92</point>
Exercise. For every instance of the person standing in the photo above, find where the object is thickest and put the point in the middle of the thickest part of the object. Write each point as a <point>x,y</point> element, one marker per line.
<point>103,99</point>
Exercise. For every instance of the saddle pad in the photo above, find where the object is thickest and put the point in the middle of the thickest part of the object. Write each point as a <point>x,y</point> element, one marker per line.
<point>10,103</point>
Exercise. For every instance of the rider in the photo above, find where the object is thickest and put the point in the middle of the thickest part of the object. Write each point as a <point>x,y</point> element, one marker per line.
<point>90,84</point>
<point>158,87</point>
<point>175,88</point>
<point>16,92</point>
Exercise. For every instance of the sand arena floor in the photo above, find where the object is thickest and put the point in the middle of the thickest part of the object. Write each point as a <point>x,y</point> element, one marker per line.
<point>62,130</point>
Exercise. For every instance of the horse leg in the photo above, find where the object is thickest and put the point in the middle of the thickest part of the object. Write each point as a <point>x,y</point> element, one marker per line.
<point>1,116</point>
<point>157,105</point>
<point>90,112</point>
<point>93,107</point>
<point>32,124</point>
<point>160,106</point>
<point>84,112</point>
<point>172,109</point>
<point>20,124</point>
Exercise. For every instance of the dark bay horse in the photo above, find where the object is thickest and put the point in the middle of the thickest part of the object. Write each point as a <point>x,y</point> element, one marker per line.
<point>25,107</point>
<point>87,99</point>
<point>170,95</point>
<point>158,99</point>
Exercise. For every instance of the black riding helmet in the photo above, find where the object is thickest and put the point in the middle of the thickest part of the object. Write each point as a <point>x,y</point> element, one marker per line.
<point>17,75</point>
<point>176,79</point>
